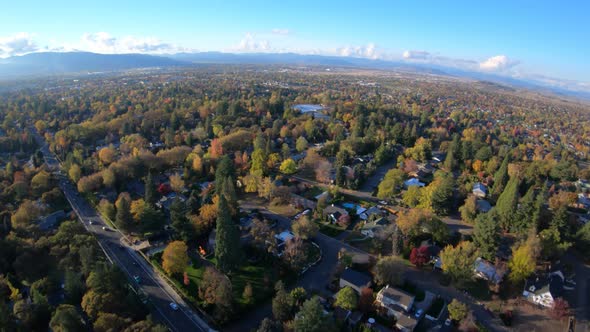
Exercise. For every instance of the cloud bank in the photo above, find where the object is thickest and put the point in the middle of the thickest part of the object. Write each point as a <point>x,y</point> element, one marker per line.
<point>18,44</point>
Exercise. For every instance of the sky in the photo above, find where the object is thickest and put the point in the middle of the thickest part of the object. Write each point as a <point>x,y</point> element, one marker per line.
<point>545,40</point>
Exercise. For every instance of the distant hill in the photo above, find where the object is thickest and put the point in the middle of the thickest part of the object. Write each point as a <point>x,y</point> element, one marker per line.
<point>56,63</point>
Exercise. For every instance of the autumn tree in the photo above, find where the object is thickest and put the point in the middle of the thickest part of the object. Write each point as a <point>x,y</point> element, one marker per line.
<point>66,319</point>
<point>366,299</point>
<point>304,228</point>
<point>346,298</point>
<point>282,303</point>
<point>419,256</point>
<point>389,270</point>
<point>215,288</point>
<point>176,183</point>
<point>227,239</point>
<point>560,309</point>
<point>524,259</point>
<point>288,166</point>
<point>301,144</point>
<point>106,155</point>
<point>457,262</point>
<point>457,310</point>
<point>175,257</point>
<point>469,209</point>
<point>392,182</point>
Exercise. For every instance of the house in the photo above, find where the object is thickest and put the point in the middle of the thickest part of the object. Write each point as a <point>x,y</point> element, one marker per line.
<point>413,182</point>
<point>583,201</point>
<point>166,201</point>
<point>480,190</point>
<point>374,228</point>
<point>483,206</point>
<point>395,301</point>
<point>354,279</point>
<point>282,239</point>
<point>406,323</point>
<point>487,271</point>
<point>544,290</point>
<point>334,213</point>
<point>371,211</point>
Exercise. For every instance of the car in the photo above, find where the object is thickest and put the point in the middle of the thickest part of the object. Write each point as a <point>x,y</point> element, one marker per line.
<point>173,306</point>
<point>91,222</point>
<point>104,228</point>
<point>419,313</point>
<point>448,322</point>
<point>137,279</point>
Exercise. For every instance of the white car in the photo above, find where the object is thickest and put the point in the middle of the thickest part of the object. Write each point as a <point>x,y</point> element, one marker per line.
<point>448,322</point>
<point>174,306</point>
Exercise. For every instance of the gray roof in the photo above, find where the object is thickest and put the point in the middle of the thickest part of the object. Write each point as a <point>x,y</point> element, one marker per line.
<point>356,278</point>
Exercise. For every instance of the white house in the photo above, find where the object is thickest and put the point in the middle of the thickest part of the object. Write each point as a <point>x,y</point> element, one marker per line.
<point>480,190</point>
<point>395,301</point>
<point>544,290</point>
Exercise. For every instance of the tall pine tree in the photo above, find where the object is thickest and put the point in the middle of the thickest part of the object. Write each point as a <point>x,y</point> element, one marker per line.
<point>123,218</point>
<point>227,239</point>
<point>524,220</point>
<point>150,189</point>
<point>486,234</point>
<point>500,178</point>
<point>507,202</point>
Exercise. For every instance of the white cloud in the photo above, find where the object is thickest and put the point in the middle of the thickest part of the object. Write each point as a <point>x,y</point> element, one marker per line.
<point>18,44</point>
<point>497,63</point>
<point>368,51</point>
<point>281,31</point>
<point>102,42</point>
<point>250,43</point>
<point>420,55</point>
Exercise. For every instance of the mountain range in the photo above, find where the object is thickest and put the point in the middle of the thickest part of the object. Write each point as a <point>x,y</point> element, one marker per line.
<point>59,63</point>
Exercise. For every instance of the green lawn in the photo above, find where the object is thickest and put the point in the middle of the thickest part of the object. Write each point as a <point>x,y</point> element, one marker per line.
<point>330,229</point>
<point>262,277</point>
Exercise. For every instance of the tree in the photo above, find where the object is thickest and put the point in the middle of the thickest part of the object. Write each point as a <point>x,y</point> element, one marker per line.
<point>175,257</point>
<point>419,256</point>
<point>301,144</point>
<point>346,298</point>
<point>390,270</point>
<point>282,303</point>
<point>109,322</point>
<point>106,155</point>
<point>457,262</point>
<point>500,178</point>
<point>268,325</point>
<point>412,196</point>
<point>392,182</point>
<point>227,239</point>
<point>107,208</point>
<point>66,319</point>
<point>304,228</point>
<point>523,221</point>
<point>311,318</point>
<point>150,189</point>
<point>288,166</point>
<point>258,164</point>
<point>215,288</point>
<point>486,235</point>
<point>560,309</point>
<point>523,261</point>
<point>469,209</point>
<point>507,202</point>
<point>457,310</point>
<point>366,300</point>
<point>179,221</point>
<point>248,293</point>
<point>176,183</point>
<point>296,254</point>
<point>123,218</point>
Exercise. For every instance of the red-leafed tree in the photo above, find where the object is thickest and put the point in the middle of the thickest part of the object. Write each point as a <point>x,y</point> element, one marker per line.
<point>419,256</point>
<point>186,280</point>
<point>216,149</point>
<point>560,309</point>
<point>366,300</point>
<point>164,189</point>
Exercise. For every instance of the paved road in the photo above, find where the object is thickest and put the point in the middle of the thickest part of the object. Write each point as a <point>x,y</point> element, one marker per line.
<point>159,293</point>
<point>371,184</point>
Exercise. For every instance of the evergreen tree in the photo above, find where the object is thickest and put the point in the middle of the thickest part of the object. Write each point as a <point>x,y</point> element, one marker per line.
<point>180,223</point>
<point>453,154</point>
<point>507,202</point>
<point>150,189</point>
<point>123,218</point>
<point>486,234</point>
<point>311,318</point>
<point>538,210</point>
<point>500,178</point>
<point>397,241</point>
<point>523,221</point>
<point>225,169</point>
<point>282,303</point>
<point>227,239</point>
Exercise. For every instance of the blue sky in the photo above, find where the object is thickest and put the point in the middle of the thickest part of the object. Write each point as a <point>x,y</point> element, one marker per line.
<point>515,38</point>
